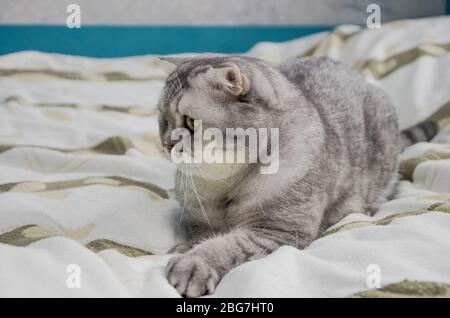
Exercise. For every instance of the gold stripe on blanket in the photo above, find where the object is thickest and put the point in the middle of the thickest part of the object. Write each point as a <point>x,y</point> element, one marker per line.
<point>20,236</point>
<point>38,74</point>
<point>104,244</point>
<point>442,116</point>
<point>115,145</point>
<point>379,69</point>
<point>337,37</point>
<point>25,235</point>
<point>407,167</point>
<point>39,187</point>
<point>443,206</point>
<point>129,110</point>
<point>403,289</point>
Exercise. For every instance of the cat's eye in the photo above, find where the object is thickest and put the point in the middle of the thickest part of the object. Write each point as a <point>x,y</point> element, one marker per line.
<point>189,122</point>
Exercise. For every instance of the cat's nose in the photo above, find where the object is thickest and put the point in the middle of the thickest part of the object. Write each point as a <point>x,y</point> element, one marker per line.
<point>168,145</point>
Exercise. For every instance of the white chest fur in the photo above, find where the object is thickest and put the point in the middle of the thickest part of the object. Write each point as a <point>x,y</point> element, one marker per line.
<point>207,186</point>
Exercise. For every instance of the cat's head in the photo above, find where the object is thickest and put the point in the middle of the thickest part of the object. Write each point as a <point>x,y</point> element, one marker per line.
<point>221,92</point>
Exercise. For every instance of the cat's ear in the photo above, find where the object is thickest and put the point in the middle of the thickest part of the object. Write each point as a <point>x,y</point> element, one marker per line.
<point>233,80</point>
<point>169,64</point>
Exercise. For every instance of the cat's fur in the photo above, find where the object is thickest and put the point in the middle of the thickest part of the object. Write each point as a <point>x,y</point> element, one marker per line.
<point>339,143</point>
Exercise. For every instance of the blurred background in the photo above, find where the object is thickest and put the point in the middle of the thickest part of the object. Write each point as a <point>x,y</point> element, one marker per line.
<point>112,28</point>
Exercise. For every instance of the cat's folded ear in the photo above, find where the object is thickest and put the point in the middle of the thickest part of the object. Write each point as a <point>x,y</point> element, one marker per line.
<point>233,80</point>
<point>170,63</point>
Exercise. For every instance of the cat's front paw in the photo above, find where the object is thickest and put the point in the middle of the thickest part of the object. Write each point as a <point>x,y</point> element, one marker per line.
<point>191,275</point>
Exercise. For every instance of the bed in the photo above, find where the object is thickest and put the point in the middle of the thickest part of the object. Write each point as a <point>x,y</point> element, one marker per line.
<point>86,197</point>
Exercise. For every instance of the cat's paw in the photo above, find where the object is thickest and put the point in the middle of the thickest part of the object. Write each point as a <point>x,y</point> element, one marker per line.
<point>191,275</point>
<point>180,248</point>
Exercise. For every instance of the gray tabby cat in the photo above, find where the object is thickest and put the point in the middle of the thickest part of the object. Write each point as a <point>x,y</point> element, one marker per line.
<point>338,149</point>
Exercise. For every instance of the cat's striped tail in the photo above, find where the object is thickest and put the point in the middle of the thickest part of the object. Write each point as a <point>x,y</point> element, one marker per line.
<point>423,131</point>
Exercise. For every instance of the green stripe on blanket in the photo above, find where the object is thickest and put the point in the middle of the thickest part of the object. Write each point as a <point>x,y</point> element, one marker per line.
<point>78,76</point>
<point>376,68</point>
<point>125,109</point>
<point>379,69</point>
<point>115,145</point>
<point>414,289</point>
<point>25,235</point>
<point>335,37</point>
<point>443,206</point>
<point>407,167</point>
<point>40,187</point>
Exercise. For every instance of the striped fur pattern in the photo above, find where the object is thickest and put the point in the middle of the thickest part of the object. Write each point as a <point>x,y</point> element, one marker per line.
<point>339,143</point>
<point>423,131</point>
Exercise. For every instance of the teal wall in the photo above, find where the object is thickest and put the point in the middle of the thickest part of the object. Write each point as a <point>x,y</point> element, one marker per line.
<point>114,28</point>
<point>116,41</point>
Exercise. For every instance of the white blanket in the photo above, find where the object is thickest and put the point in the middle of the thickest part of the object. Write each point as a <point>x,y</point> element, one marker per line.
<point>86,197</point>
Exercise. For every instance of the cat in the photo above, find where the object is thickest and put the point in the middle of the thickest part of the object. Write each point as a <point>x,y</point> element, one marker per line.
<point>338,147</point>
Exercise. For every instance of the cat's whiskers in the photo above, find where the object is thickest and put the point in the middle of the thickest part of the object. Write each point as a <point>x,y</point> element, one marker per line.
<point>202,208</point>
<point>185,188</point>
